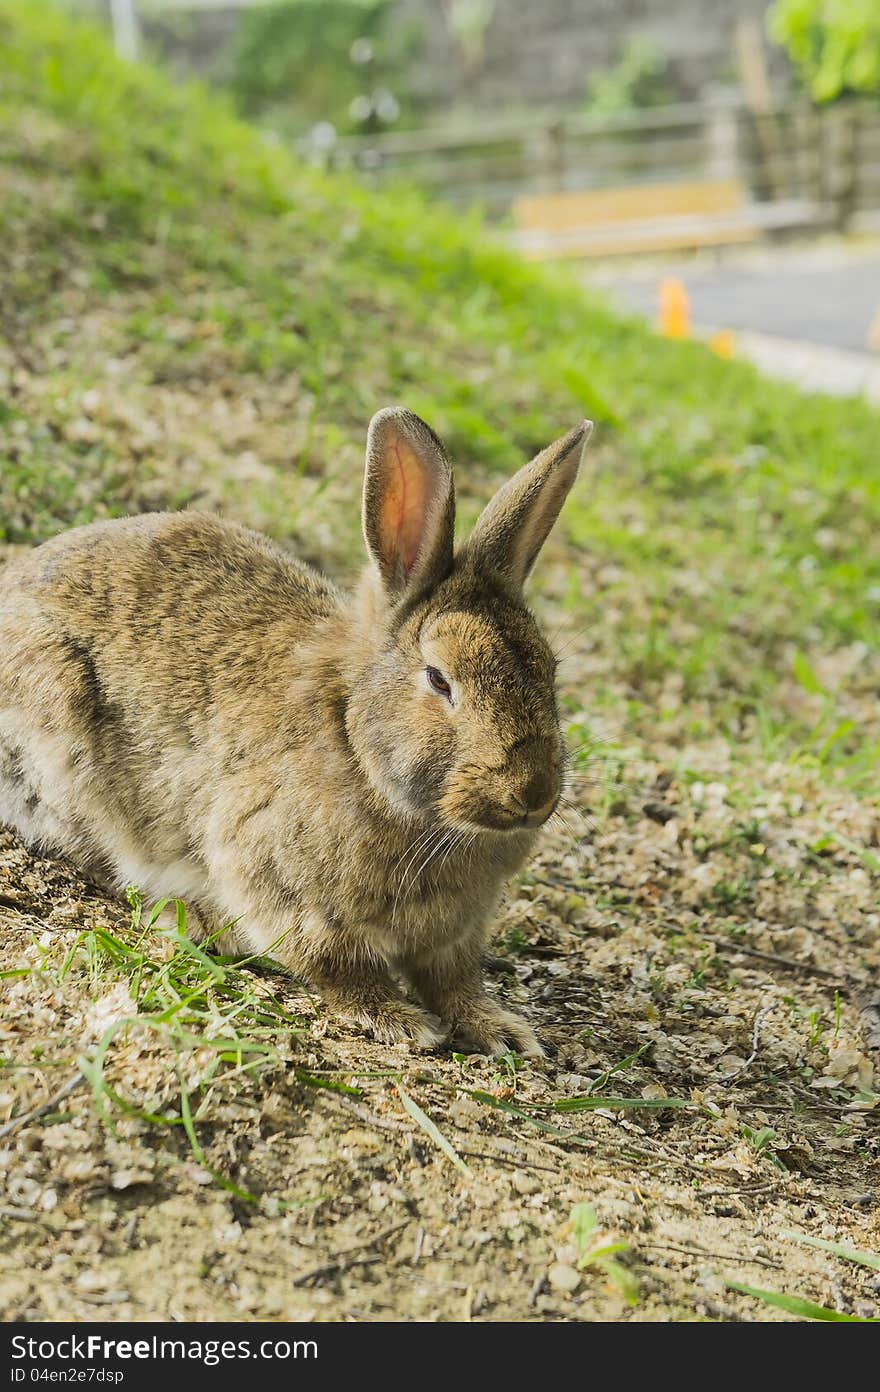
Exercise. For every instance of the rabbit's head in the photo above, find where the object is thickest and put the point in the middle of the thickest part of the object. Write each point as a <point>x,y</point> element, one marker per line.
<point>452,708</point>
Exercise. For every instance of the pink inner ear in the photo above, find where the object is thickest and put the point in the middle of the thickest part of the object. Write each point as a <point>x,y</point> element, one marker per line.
<point>403,507</point>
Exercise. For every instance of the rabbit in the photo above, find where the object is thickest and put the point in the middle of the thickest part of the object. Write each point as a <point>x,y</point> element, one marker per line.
<point>343,780</point>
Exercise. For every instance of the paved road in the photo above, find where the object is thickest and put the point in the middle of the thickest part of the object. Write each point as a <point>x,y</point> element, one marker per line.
<point>793,298</point>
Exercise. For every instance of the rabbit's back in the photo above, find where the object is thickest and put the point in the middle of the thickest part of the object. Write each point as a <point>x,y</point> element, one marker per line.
<point>126,648</point>
<point>138,581</point>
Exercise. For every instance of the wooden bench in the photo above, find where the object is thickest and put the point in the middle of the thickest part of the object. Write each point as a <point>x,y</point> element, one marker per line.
<point>644,217</point>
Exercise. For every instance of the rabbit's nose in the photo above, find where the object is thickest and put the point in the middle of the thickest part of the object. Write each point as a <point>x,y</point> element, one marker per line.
<point>538,815</point>
<point>539,795</point>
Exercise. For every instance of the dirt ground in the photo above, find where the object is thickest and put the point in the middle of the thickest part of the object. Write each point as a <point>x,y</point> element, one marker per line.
<point>690,931</point>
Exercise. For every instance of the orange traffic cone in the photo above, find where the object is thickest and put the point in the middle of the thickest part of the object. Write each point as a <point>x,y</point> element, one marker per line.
<point>723,343</point>
<point>674,316</point>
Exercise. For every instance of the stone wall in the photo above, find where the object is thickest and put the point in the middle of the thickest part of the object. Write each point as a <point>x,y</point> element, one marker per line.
<point>537,52</point>
<point>544,51</point>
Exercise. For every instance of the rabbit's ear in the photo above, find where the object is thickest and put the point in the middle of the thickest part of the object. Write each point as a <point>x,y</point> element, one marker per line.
<point>513,527</point>
<point>409,502</point>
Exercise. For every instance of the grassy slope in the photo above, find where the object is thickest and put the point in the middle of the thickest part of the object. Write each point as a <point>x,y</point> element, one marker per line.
<point>155,250</point>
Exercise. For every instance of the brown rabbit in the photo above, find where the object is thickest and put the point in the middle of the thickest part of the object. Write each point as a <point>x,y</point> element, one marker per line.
<point>346,779</point>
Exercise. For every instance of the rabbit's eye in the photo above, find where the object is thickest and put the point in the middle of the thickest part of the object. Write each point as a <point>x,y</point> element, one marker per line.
<point>438,682</point>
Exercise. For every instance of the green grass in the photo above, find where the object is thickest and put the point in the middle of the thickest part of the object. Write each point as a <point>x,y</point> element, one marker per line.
<point>796,1305</point>
<point>728,535</point>
<point>216,1018</point>
<point>838,1249</point>
<point>431,1129</point>
<point>595,1252</point>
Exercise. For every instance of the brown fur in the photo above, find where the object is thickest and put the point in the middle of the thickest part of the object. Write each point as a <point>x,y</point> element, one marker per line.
<point>185,707</point>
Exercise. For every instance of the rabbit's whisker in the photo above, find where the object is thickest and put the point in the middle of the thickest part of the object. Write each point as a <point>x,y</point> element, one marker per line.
<point>413,852</point>
<point>563,821</point>
<point>562,825</point>
<point>568,643</point>
<point>448,841</point>
<point>444,841</point>
<point>429,848</point>
<point>590,747</point>
<point>450,850</point>
<point>578,812</point>
<point>433,849</point>
<point>606,734</point>
<point>414,845</point>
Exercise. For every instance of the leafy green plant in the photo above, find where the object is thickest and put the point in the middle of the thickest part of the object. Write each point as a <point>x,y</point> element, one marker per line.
<point>515,940</point>
<point>299,62</point>
<point>640,78</point>
<point>834,44</point>
<point>728,892</point>
<point>595,1251</point>
<point>761,1140</point>
<point>509,1065</point>
<point>817,1027</point>
<point>600,1083</point>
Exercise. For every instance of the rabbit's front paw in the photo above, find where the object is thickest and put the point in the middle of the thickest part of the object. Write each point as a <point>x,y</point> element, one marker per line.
<point>487,1029</point>
<point>396,1022</point>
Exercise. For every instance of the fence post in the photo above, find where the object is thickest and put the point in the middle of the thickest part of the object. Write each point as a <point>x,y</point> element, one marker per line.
<point>854,125</point>
<point>840,151</point>
<point>807,126</point>
<point>554,157</point>
<point>723,141</point>
<point>126,30</point>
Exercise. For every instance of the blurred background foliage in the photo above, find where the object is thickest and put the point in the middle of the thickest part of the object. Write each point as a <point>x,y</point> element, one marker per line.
<point>834,44</point>
<point>640,78</point>
<point>359,66</point>
<point>339,61</point>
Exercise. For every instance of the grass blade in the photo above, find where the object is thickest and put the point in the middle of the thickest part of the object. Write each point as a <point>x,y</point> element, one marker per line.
<point>593,1103</point>
<point>195,1146</point>
<point>488,1100</point>
<point>429,1127</point>
<point>795,1305</point>
<point>184,944</point>
<point>868,858</point>
<point>603,1079</point>
<point>310,1080</point>
<point>853,1254</point>
<point>92,1068</point>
